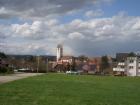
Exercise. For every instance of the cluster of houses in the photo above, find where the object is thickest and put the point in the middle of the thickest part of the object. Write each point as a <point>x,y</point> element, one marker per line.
<point>125,64</point>
<point>71,63</point>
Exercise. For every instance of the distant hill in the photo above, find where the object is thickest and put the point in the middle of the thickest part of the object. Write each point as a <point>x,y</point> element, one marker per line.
<point>27,57</point>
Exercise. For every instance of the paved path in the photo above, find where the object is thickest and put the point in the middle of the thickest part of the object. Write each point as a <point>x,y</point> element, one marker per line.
<point>16,76</point>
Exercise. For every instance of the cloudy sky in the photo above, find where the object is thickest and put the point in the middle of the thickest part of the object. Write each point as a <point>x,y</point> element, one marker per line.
<point>89,27</point>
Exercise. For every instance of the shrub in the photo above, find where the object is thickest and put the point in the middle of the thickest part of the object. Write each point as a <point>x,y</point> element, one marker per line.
<point>6,70</point>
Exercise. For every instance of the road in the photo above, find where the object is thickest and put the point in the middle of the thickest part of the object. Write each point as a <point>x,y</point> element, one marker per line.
<point>16,76</point>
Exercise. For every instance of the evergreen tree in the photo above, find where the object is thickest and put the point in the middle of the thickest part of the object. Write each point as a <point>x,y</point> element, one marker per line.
<point>104,63</point>
<point>83,58</point>
<point>2,55</point>
<point>131,54</point>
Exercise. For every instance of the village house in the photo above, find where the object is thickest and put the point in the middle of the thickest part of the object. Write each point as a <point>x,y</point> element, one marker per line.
<point>129,67</point>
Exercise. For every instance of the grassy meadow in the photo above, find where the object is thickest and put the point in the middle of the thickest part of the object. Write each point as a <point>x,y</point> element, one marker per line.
<point>61,89</point>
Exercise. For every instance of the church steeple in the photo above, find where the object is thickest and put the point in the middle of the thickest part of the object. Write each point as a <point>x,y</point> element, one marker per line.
<point>59,51</point>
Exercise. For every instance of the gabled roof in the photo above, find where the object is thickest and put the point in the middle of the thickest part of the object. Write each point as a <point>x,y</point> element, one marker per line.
<point>67,57</point>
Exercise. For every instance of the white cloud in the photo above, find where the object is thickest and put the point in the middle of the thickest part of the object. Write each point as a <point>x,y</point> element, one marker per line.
<point>75,35</point>
<point>40,30</point>
<point>2,36</point>
<point>4,32</point>
<point>51,22</point>
<point>35,9</point>
<point>26,48</point>
<point>94,13</point>
<point>137,25</point>
<point>102,35</point>
<point>35,30</point>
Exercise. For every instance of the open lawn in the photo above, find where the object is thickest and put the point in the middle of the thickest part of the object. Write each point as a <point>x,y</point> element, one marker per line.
<point>60,89</point>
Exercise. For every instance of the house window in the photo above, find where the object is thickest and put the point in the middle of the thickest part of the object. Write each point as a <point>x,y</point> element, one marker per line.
<point>131,61</point>
<point>139,68</point>
<point>130,67</point>
<point>122,67</point>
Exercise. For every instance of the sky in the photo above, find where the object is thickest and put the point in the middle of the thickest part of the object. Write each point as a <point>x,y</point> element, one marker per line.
<point>83,27</point>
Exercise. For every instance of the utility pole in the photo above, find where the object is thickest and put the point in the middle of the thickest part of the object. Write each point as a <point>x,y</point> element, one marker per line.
<point>47,65</point>
<point>37,63</point>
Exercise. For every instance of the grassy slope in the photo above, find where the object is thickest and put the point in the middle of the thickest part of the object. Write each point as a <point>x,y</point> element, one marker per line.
<point>59,89</point>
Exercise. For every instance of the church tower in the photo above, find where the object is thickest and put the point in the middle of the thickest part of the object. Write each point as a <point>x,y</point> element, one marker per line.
<point>59,51</point>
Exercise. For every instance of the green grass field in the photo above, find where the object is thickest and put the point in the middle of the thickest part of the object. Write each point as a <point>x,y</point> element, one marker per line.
<point>60,89</point>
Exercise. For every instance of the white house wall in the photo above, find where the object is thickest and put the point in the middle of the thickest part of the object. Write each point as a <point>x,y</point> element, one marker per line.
<point>131,68</point>
<point>131,71</point>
